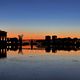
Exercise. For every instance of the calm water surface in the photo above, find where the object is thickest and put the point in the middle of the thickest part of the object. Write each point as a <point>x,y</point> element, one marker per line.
<point>40,65</point>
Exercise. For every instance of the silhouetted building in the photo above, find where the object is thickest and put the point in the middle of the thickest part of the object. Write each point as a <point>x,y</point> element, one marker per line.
<point>3,37</point>
<point>47,37</point>
<point>12,41</point>
<point>47,40</point>
<point>3,44</point>
<point>54,37</point>
<point>54,40</point>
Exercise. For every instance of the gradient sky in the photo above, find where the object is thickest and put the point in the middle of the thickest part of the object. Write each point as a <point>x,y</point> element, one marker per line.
<point>37,18</point>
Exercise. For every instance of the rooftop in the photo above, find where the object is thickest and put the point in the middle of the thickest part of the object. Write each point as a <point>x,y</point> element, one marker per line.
<point>2,31</point>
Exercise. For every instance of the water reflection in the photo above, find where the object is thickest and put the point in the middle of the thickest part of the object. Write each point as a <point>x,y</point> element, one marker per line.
<point>3,53</point>
<point>54,49</point>
<point>47,49</point>
<point>34,67</point>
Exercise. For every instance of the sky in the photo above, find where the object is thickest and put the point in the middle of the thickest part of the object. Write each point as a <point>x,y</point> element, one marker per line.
<point>38,18</point>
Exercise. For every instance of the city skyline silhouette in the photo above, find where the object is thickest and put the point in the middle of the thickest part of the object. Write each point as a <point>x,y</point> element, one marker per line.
<point>39,39</point>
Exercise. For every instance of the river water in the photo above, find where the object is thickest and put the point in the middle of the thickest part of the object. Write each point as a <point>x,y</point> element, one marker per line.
<point>37,64</point>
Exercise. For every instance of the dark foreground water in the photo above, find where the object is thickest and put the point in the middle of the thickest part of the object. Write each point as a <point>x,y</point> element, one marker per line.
<point>40,65</point>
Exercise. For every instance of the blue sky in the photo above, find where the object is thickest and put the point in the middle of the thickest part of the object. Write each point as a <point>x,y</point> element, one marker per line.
<point>40,16</point>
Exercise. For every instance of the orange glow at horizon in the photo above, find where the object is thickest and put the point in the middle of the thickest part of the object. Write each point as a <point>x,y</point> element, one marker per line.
<point>27,35</point>
<point>42,35</point>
